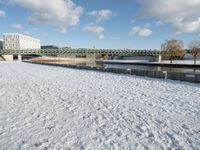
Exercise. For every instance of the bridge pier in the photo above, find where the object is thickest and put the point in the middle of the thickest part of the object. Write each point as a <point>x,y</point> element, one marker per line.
<point>91,59</point>
<point>160,58</point>
<point>19,57</point>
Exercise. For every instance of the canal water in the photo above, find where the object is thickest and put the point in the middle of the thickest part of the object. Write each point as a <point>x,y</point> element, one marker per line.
<point>155,68</point>
<point>123,66</point>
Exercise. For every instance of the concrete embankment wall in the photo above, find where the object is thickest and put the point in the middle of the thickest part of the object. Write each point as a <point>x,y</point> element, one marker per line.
<point>7,57</point>
<point>189,77</point>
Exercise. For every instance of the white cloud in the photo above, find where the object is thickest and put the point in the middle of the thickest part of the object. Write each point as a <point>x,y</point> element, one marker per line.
<point>187,27</point>
<point>2,13</point>
<point>58,13</point>
<point>142,32</point>
<point>94,29</point>
<point>183,15</point>
<point>102,15</point>
<point>17,26</point>
<point>101,36</point>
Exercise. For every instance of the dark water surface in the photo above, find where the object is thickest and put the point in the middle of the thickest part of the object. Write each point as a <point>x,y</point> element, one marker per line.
<point>156,68</point>
<point>127,66</point>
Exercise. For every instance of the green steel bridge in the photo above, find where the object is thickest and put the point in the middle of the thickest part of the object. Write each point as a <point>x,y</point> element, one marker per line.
<point>81,52</point>
<point>84,52</point>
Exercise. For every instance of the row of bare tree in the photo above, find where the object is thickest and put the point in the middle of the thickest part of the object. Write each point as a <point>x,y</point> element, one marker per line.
<point>174,49</point>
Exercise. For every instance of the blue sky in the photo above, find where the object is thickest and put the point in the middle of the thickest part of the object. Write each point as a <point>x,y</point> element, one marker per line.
<point>136,24</point>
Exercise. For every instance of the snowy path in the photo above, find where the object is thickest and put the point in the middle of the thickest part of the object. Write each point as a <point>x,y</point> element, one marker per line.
<point>43,107</point>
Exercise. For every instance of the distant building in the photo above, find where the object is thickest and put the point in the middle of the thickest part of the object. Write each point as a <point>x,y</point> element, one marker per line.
<point>49,47</point>
<point>66,47</point>
<point>1,43</point>
<point>19,41</point>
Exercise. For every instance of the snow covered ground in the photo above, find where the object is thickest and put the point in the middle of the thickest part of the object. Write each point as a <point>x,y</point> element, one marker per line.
<point>43,107</point>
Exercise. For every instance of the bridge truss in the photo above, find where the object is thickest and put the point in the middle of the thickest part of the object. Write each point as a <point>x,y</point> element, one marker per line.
<point>84,52</point>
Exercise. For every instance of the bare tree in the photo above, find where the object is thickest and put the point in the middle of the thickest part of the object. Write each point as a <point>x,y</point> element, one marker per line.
<point>173,49</point>
<point>195,47</point>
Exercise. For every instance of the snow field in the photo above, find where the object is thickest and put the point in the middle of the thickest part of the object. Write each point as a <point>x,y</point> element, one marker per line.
<point>43,107</point>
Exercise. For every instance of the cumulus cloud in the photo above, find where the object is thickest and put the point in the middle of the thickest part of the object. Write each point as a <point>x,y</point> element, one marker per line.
<point>142,32</point>
<point>102,15</point>
<point>58,13</point>
<point>17,26</point>
<point>94,29</point>
<point>183,15</point>
<point>2,13</point>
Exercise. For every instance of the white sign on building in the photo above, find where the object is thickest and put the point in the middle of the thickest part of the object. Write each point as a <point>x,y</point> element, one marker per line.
<point>19,41</point>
